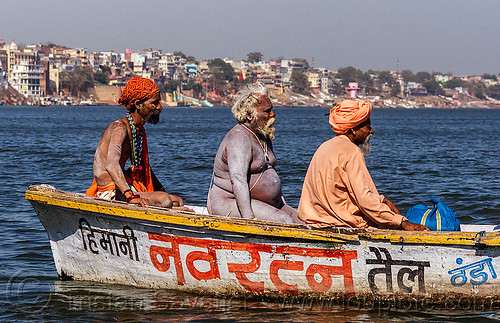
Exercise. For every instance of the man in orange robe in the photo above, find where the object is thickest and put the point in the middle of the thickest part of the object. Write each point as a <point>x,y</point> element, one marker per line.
<point>338,190</point>
<point>126,139</point>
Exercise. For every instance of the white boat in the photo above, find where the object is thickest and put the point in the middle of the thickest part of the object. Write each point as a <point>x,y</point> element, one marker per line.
<point>116,242</point>
<point>88,103</point>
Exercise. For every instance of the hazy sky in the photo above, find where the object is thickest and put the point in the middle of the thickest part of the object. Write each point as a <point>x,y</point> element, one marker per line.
<point>458,36</point>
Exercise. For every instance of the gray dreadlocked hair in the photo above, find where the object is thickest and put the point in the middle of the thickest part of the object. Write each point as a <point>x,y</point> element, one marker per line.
<point>246,100</point>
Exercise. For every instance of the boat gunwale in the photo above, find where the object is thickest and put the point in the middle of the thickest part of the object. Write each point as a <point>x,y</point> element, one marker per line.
<point>51,196</point>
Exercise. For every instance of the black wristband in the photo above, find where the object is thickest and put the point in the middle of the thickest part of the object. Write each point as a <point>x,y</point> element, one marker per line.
<point>129,190</point>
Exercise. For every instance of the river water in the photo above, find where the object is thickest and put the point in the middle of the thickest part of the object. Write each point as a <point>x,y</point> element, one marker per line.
<point>451,154</point>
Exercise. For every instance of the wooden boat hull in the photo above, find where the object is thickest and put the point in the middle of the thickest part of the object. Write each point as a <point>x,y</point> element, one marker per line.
<point>115,242</point>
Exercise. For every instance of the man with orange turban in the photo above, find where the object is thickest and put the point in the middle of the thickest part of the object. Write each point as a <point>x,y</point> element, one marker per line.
<point>338,190</point>
<point>126,139</point>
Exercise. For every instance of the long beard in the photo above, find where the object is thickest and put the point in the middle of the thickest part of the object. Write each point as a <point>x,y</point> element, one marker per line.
<point>153,117</point>
<point>267,128</point>
<point>365,147</point>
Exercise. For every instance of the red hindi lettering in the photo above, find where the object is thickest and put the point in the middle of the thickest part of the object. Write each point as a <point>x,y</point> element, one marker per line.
<point>240,270</point>
<point>212,273</point>
<point>165,254</point>
<point>326,272</point>
<point>283,287</point>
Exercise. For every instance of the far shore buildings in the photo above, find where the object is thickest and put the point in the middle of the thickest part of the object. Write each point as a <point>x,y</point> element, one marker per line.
<point>25,72</point>
<point>36,71</point>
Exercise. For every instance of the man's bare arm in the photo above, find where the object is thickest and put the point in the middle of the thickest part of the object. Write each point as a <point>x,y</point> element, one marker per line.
<point>239,157</point>
<point>117,136</point>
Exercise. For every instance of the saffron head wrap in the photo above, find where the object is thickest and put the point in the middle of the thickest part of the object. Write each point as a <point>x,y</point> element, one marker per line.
<point>349,114</point>
<point>138,88</point>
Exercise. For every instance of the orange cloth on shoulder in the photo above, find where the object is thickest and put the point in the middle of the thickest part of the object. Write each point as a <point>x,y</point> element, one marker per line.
<point>142,180</point>
<point>144,176</point>
<point>348,114</point>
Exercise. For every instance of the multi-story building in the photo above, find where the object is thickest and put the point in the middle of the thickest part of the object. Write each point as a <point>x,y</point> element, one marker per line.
<point>325,84</point>
<point>54,73</point>
<point>15,56</point>
<point>191,69</point>
<point>26,78</point>
<point>314,80</point>
<point>166,63</point>
<point>3,77</point>
<point>3,54</point>
<point>138,66</point>
<point>79,56</point>
<point>24,72</point>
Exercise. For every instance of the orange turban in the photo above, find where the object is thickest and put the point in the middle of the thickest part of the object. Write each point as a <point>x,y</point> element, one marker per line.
<point>349,114</point>
<point>138,88</point>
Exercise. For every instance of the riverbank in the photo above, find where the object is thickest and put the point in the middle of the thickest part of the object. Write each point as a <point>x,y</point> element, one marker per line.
<point>387,101</point>
<point>289,99</point>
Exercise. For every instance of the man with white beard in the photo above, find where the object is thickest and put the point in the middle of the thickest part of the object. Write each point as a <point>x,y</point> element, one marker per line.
<point>245,183</point>
<point>338,190</point>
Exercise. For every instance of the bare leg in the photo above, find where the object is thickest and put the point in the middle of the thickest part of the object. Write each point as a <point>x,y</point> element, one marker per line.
<point>263,211</point>
<point>222,203</point>
<point>266,212</point>
<point>159,199</point>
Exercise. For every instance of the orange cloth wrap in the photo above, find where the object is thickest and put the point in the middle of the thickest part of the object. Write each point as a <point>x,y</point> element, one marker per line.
<point>339,191</point>
<point>138,88</point>
<point>142,180</point>
<point>349,114</point>
<point>143,176</point>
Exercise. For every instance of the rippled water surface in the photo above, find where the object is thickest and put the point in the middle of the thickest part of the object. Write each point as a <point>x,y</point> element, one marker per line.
<point>416,154</point>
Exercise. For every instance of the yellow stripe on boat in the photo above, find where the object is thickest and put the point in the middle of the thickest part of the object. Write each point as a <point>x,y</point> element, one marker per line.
<point>193,220</point>
<point>165,216</point>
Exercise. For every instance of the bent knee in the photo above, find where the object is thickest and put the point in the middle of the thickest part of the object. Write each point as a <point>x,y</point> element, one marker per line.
<point>166,201</point>
<point>159,199</point>
<point>285,218</point>
<point>277,217</point>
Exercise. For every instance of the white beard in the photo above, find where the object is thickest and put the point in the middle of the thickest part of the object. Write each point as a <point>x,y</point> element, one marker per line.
<point>267,129</point>
<point>365,147</point>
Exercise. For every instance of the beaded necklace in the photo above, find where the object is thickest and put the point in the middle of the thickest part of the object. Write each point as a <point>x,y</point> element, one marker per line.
<point>262,145</point>
<point>136,144</point>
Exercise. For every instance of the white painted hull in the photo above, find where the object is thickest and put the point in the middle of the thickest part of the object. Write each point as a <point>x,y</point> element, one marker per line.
<point>148,247</point>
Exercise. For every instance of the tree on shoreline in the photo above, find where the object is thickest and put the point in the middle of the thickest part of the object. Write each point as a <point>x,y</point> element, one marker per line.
<point>453,83</point>
<point>254,57</point>
<point>101,78</point>
<point>170,86</point>
<point>79,80</point>
<point>300,82</point>
<point>433,87</point>
<point>222,73</point>
<point>422,77</point>
<point>493,91</point>
<point>180,54</point>
<point>350,74</point>
<point>477,89</point>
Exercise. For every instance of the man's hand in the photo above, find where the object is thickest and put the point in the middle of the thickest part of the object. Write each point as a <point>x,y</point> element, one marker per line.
<point>391,206</point>
<point>139,200</point>
<point>409,226</point>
